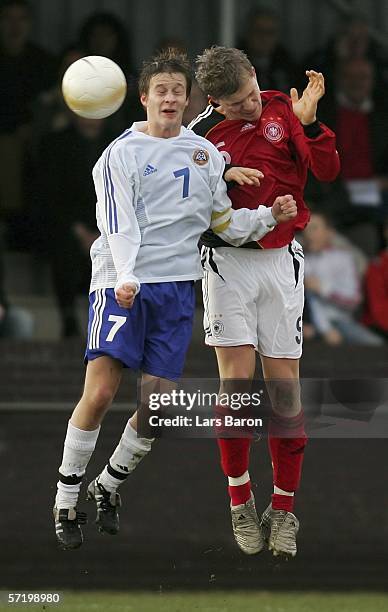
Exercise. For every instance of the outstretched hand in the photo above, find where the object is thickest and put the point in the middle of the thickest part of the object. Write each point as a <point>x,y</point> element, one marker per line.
<point>244,176</point>
<point>305,107</point>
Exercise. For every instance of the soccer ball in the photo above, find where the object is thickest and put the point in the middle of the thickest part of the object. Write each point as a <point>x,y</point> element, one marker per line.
<point>94,87</point>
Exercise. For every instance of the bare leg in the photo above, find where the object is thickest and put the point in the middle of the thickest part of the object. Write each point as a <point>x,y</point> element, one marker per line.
<point>136,440</point>
<point>282,376</point>
<point>103,376</point>
<point>149,384</point>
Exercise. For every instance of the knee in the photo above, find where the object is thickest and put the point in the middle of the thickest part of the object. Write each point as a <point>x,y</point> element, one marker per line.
<point>285,397</point>
<point>100,398</point>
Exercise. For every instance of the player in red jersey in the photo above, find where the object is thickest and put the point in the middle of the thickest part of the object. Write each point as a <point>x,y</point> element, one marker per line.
<point>253,296</point>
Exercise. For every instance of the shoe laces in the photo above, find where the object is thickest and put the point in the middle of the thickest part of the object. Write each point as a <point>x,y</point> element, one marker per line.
<point>106,499</point>
<point>79,518</point>
<point>277,519</point>
<point>282,518</point>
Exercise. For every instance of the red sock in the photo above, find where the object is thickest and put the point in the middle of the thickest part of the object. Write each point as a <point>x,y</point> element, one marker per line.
<point>287,455</point>
<point>240,494</point>
<point>234,462</point>
<point>282,502</point>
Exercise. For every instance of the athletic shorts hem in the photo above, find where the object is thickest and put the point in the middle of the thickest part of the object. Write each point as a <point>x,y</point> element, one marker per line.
<point>92,355</point>
<point>279,356</point>
<point>217,343</point>
<point>161,373</point>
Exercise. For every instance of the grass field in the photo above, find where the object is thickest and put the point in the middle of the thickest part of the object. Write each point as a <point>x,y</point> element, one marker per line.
<point>213,602</point>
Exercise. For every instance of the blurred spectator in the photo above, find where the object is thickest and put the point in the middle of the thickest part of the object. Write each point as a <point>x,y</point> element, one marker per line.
<point>376,291</point>
<point>351,41</point>
<point>25,70</point>
<point>361,125</point>
<point>273,63</point>
<point>50,113</point>
<point>339,241</point>
<point>67,209</point>
<point>104,34</point>
<point>15,322</point>
<point>332,288</point>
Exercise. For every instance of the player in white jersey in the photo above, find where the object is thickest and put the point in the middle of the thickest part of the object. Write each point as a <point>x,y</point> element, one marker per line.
<point>158,186</point>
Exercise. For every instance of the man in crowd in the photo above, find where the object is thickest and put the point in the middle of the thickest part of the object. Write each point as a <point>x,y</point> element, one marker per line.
<point>25,71</point>
<point>333,287</point>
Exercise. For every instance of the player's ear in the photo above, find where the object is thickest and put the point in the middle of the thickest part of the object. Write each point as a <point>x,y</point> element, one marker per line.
<point>144,99</point>
<point>255,76</point>
<point>217,106</point>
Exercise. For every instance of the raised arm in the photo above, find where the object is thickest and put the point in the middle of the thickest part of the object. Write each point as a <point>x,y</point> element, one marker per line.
<point>319,139</point>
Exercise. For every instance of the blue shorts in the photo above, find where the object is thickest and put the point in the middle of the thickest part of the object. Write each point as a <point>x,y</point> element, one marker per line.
<point>152,336</point>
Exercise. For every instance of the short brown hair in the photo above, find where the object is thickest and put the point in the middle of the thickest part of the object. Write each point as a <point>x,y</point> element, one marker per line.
<point>220,71</point>
<point>171,61</point>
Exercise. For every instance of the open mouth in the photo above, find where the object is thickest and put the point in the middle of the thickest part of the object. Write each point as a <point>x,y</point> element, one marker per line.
<point>169,111</point>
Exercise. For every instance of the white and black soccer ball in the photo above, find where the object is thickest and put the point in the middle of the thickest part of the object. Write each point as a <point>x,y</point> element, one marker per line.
<point>94,87</point>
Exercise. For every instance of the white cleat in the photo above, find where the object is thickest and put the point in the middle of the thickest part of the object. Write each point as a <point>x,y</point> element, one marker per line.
<point>279,529</point>
<point>246,527</point>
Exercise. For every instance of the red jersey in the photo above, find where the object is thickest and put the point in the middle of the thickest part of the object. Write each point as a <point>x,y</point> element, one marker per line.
<point>279,146</point>
<point>376,284</point>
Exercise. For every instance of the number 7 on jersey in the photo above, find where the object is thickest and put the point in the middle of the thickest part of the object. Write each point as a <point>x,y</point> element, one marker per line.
<point>185,172</point>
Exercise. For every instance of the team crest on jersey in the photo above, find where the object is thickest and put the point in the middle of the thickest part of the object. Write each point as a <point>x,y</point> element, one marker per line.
<point>200,157</point>
<point>217,328</point>
<point>273,131</point>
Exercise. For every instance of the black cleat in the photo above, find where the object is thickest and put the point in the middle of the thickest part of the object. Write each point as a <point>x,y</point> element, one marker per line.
<point>67,527</point>
<point>107,503</point>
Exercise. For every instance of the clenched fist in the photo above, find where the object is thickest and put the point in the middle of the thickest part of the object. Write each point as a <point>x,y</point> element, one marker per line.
<point>284,208</point>
<point>125,295</point>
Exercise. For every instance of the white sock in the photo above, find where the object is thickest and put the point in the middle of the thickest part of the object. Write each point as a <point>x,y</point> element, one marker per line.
<point>129,452</point>
<point>78,448</point>
<point>278,491</point>
<point>236,482</point>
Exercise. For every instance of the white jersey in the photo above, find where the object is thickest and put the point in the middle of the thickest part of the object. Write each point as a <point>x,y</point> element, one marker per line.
<point>155,197</point>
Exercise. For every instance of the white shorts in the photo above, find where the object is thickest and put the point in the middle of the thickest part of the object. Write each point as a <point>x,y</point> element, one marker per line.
<point>254,296</point>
